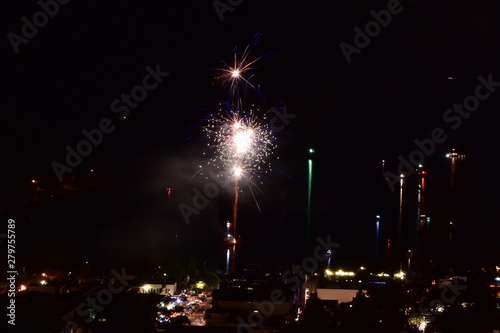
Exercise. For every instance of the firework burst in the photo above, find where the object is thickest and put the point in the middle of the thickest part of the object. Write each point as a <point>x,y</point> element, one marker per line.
<point>242,142</point>
<point>235,76</point>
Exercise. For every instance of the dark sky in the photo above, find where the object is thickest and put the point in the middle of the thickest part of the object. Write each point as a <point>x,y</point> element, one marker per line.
<point>396,90</point>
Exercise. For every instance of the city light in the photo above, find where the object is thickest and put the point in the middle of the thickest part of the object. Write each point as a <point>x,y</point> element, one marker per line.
<point>342,273</point>
<point>383,274</point>
<point>146,288</point>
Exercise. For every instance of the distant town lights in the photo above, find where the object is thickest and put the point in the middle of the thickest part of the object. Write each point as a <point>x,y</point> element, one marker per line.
<point>383,274</point>
<point>342,273</point>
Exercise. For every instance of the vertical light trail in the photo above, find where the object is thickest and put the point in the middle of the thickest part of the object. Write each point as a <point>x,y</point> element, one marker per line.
<point>400,221</point>
<point>454,158</point>
<point>419,204</point>
<point>309,194</point>
<point>377,238</point>
<point>228,260</point>
<point>169,193</point>
<point>420,223</point>
<point>421,201</point>
<point>233,258</point>
<point>235,205</point>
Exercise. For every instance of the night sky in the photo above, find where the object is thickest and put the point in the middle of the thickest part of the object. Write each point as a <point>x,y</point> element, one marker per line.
<point>394,90</point>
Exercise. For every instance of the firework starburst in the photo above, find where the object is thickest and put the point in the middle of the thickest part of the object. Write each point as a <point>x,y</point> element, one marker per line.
<point>235,75</point>
<point>243,142</point>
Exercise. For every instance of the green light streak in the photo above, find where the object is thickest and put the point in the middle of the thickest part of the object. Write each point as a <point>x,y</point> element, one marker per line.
<point>309,188</point>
